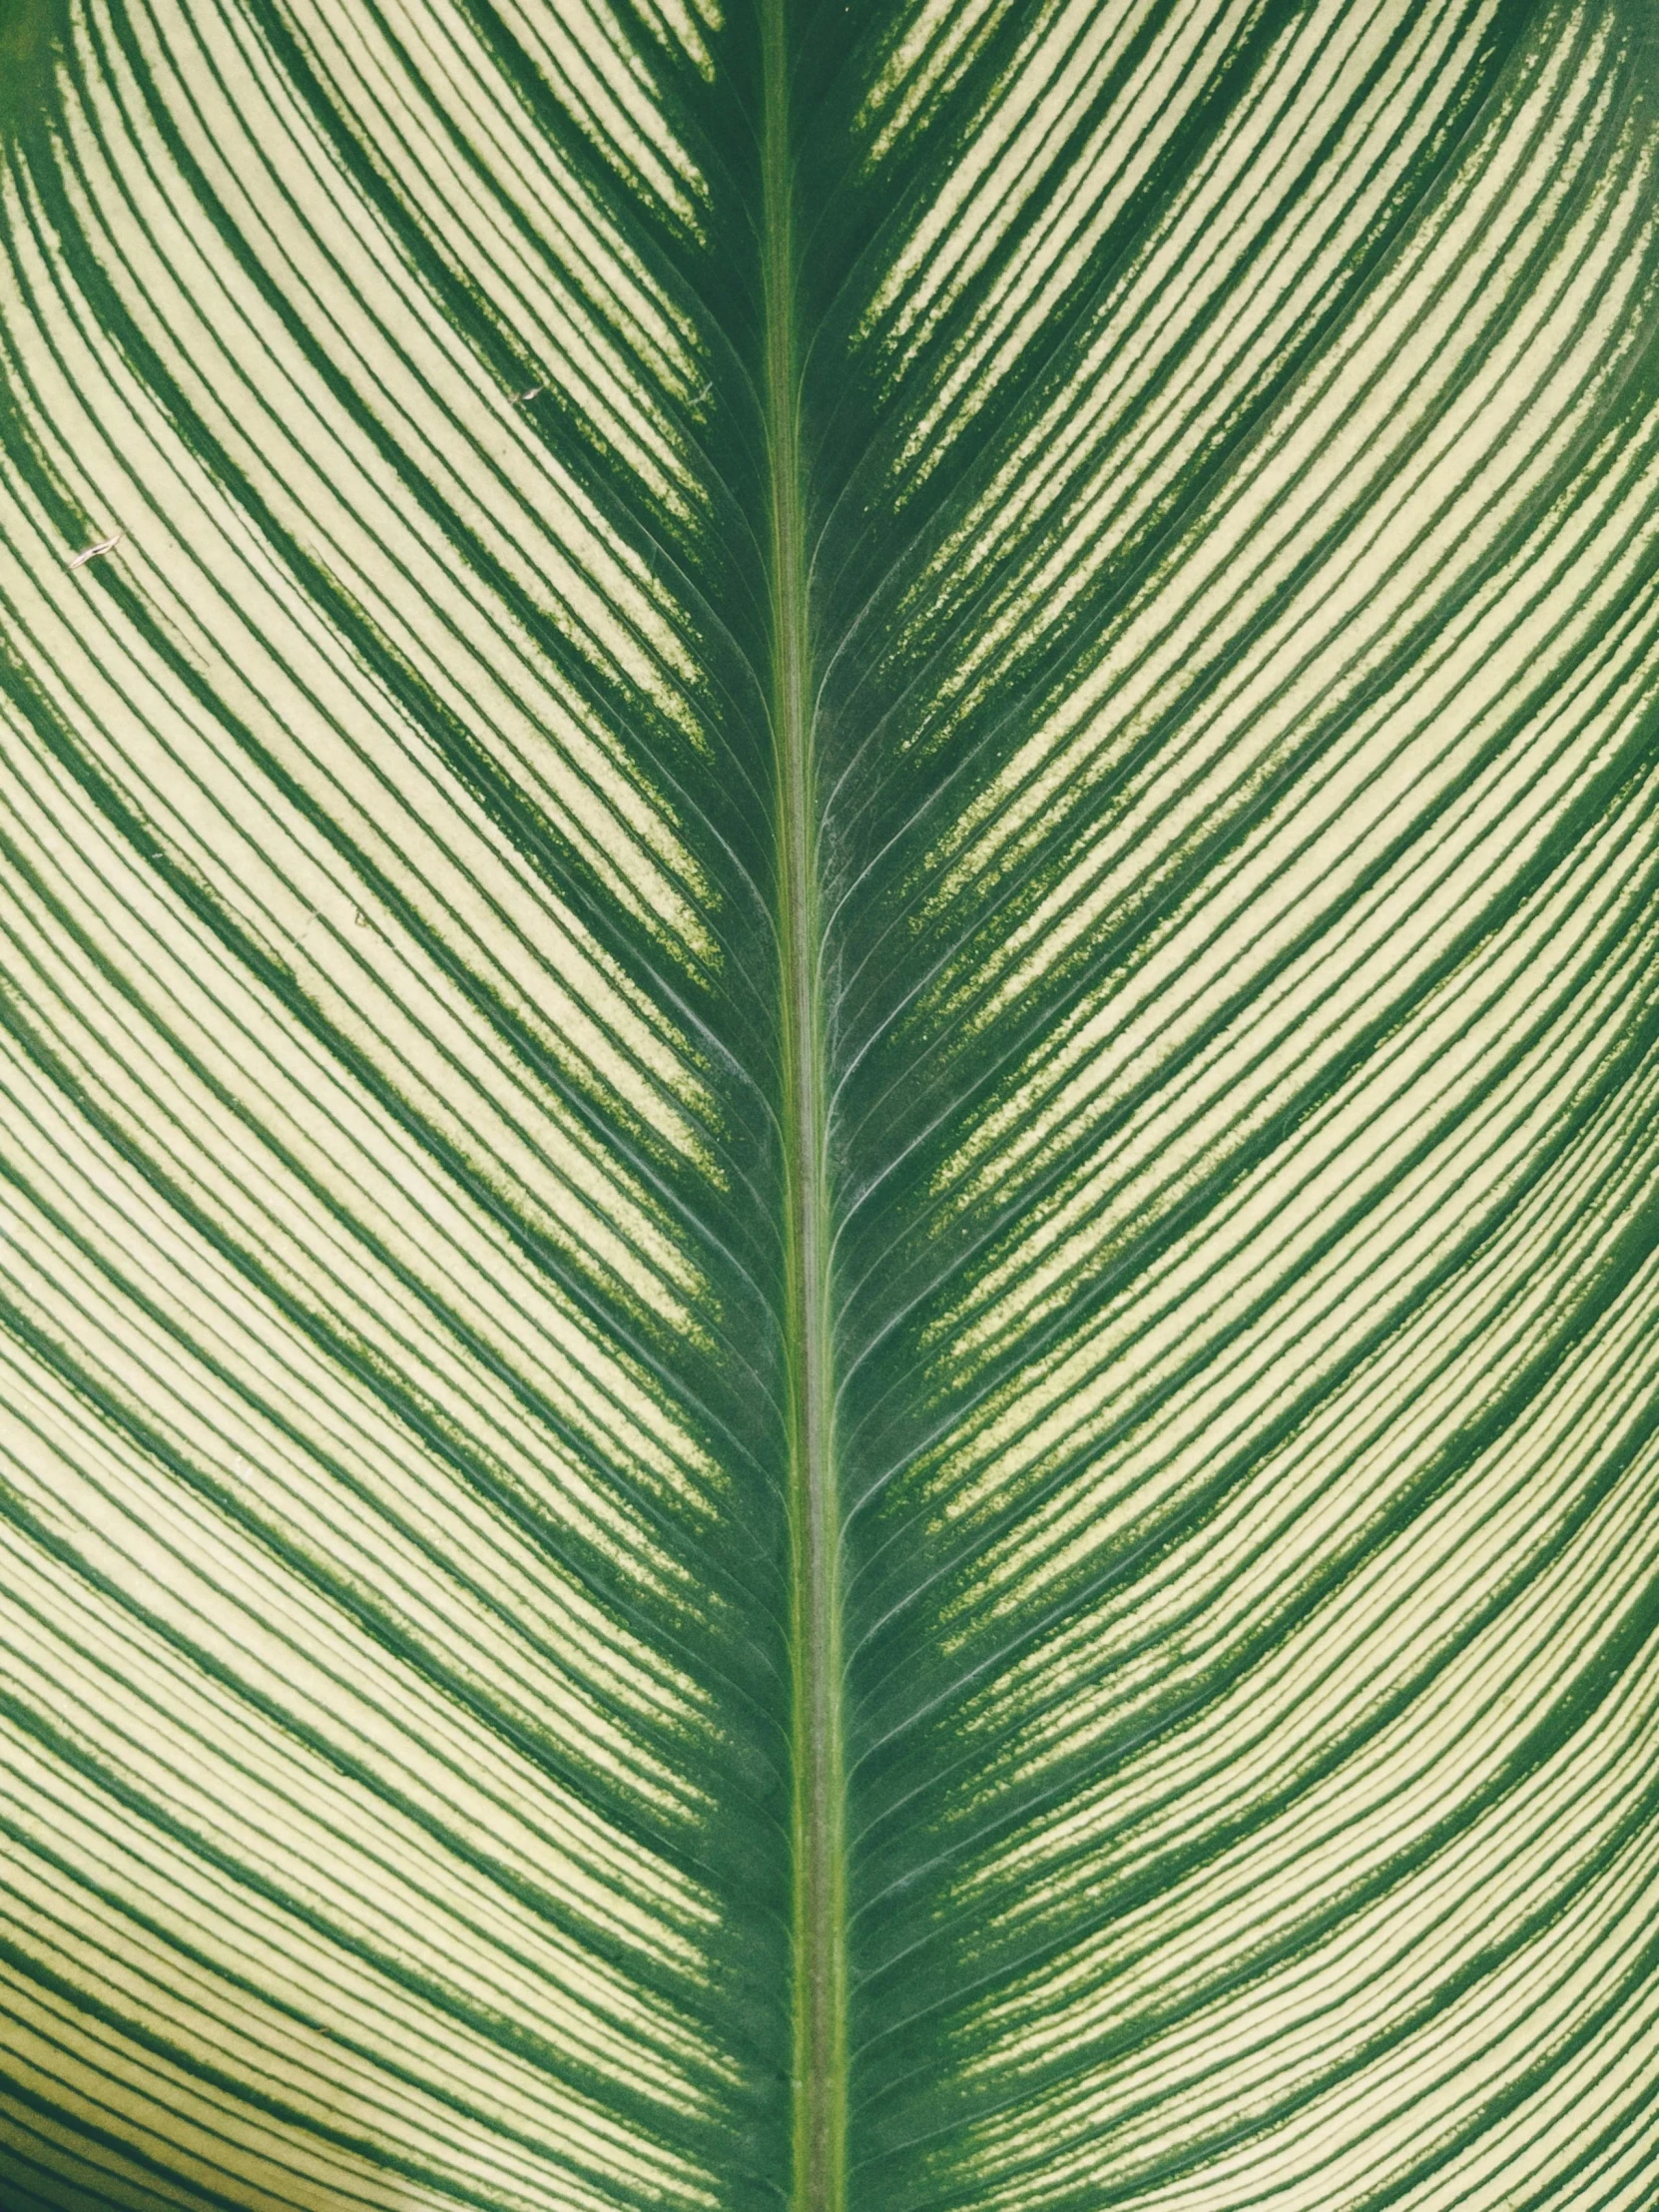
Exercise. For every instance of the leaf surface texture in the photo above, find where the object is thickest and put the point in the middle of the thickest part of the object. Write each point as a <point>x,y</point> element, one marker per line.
<point>1171,1143</point>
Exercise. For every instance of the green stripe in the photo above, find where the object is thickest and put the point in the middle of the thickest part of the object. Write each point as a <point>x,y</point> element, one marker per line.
<point>820,1818</point>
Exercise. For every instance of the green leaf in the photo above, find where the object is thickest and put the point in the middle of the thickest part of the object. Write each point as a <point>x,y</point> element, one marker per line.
<point>828,1066</point>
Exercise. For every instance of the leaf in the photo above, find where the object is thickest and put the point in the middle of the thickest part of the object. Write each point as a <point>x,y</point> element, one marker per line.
<point>829,1050</point>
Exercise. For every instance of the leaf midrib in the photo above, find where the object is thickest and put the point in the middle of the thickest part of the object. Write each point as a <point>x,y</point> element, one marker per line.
<point>818,2064</point>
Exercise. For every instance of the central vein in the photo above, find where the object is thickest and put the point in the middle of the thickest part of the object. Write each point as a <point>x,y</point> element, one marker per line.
<point>819,1958</point>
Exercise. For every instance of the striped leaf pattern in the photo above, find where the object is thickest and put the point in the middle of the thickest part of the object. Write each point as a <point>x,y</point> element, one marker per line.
<point>828,1105</point>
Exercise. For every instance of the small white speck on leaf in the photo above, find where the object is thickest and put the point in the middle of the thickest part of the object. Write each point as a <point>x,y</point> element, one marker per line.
<point>91,552</point>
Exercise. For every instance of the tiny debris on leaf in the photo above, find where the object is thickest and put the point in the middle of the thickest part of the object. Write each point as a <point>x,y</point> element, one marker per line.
<point>91,552</point>
<point>535,393</point>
